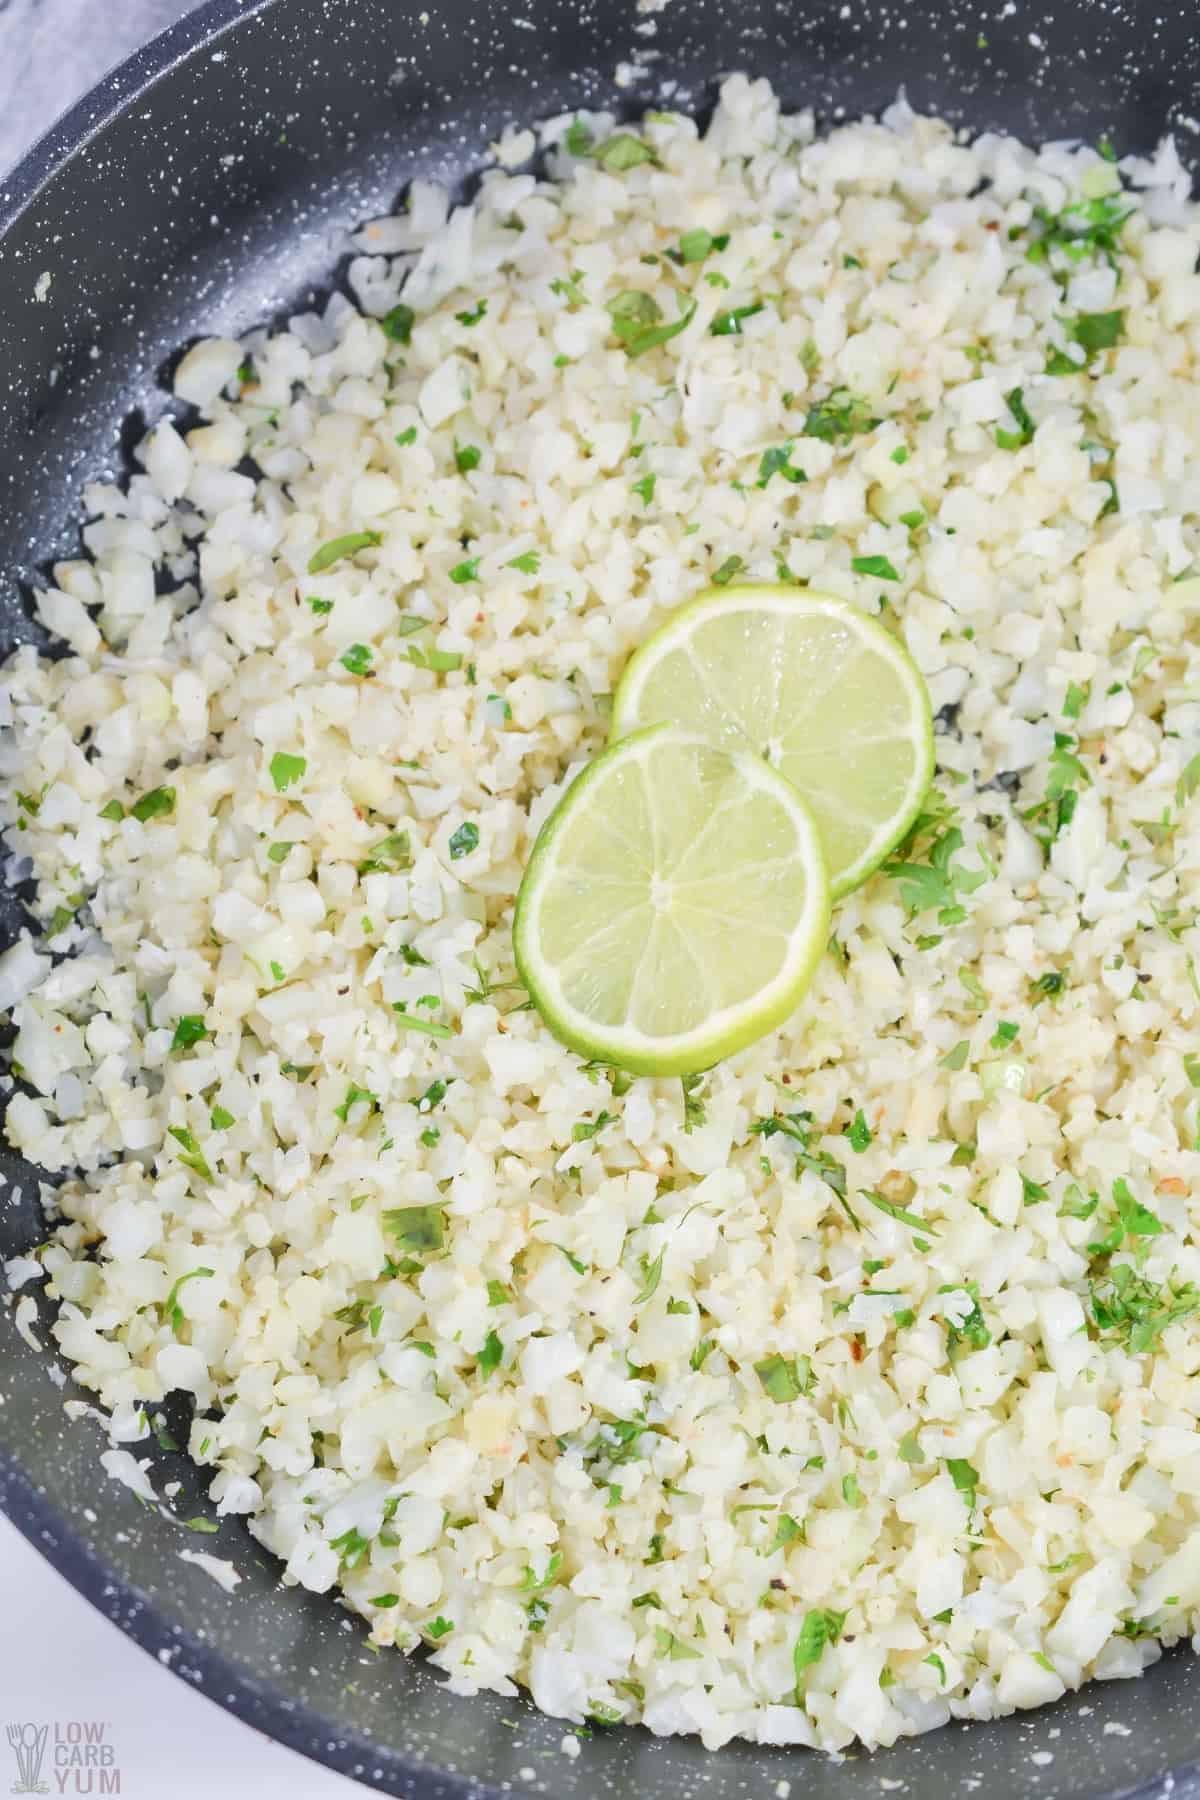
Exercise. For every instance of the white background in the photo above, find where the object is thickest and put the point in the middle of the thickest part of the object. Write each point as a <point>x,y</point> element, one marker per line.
<point>58,1658</point>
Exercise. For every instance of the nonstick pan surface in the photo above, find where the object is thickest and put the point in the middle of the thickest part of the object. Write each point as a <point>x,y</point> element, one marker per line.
<point>209,185</point>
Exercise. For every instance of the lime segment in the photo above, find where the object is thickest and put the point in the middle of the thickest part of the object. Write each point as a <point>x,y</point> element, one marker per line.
<point>828,696</point>
<point>675,905</point>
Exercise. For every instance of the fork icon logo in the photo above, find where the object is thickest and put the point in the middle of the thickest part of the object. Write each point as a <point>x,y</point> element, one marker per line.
<point>29,1747</point>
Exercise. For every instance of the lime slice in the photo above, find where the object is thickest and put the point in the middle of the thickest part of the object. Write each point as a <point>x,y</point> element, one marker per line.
<point>674,907</point>
<point>831,699</point>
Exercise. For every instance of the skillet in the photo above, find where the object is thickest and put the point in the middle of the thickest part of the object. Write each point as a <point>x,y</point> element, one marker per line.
<point>205,187</point>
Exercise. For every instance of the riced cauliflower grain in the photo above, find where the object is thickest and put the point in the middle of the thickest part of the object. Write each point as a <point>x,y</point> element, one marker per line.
<point>853,1388</point>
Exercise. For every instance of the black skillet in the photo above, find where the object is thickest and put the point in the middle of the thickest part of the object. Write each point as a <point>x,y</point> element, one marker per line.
<point>204,187</point>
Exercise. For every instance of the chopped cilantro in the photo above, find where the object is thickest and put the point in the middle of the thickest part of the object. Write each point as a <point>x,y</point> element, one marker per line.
<point>651,1276</point>
<point>154,805</point>
<point>398,323</point>
<point>878,566</point>
<point>729,324</point>
<point>529,562</point>
<point>1075,699</point>
<point>1098,331</point>
<point>973,1329</point>
<point>467,570</point>
<point>623,151</point>
<point>898,1213</point>
<point>580,1268</point>
<point>487,1360</point>
<point>466,457</point>
<point>190,1154</point>
<point>1188,782</point>
<point>172,1312</point>
<point>583,1129</point>
<point>820,1627</point>
<point>286,770</point>
<point>965,1479</point>
<point>413,1022</point>
<point>577,138</point>
<point>353,1096</point>
<point>189,1030</point>
<point>840,416</point>
<point>357,659</point>
<point>391,853</point>
<point>416,1227</point>
<point>859,1132</point>
<point>786,1531</point>
<point>728,569</point>
<point>778,462</point>
<point>340,547</point>
<point>636,320</point>
<point>940,882</point>
<point>473,315</point>
<point>1012,440</point>
<point>784,1378</point>
<point>694,246</point>
<point>464,840</point>
<point>694,1114</point>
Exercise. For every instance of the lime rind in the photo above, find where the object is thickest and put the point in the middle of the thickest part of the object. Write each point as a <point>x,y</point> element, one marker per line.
<point>733,952</point>
<point>737,697</point>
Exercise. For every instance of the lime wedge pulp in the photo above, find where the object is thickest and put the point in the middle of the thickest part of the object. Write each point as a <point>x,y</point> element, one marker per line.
<point>828,696</point>
<point>675,904</point>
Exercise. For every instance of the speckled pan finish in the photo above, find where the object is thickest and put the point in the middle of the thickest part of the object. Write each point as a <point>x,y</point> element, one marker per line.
<point>205,186</point>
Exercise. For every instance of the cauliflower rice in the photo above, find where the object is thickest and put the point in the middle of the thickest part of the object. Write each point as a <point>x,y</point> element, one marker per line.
<point>617,1391</point>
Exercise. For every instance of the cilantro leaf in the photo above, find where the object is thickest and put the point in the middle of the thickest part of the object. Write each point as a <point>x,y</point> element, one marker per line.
<point>338,548</point>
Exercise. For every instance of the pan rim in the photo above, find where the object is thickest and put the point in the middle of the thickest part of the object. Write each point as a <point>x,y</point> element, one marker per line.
<point>85,118</point>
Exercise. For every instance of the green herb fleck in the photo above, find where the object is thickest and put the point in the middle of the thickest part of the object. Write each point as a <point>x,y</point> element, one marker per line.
<point>464,840</point>
<point>398,323</point>
<point>154,805</point>
<point>189,1030</point>
<point>729,324</point>
<point>878,566</point>
<point>286,770</point>
<point>338,548</point>
<point>859,1132</point>
<point>784,1378</point>
<point>172,1312</point>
